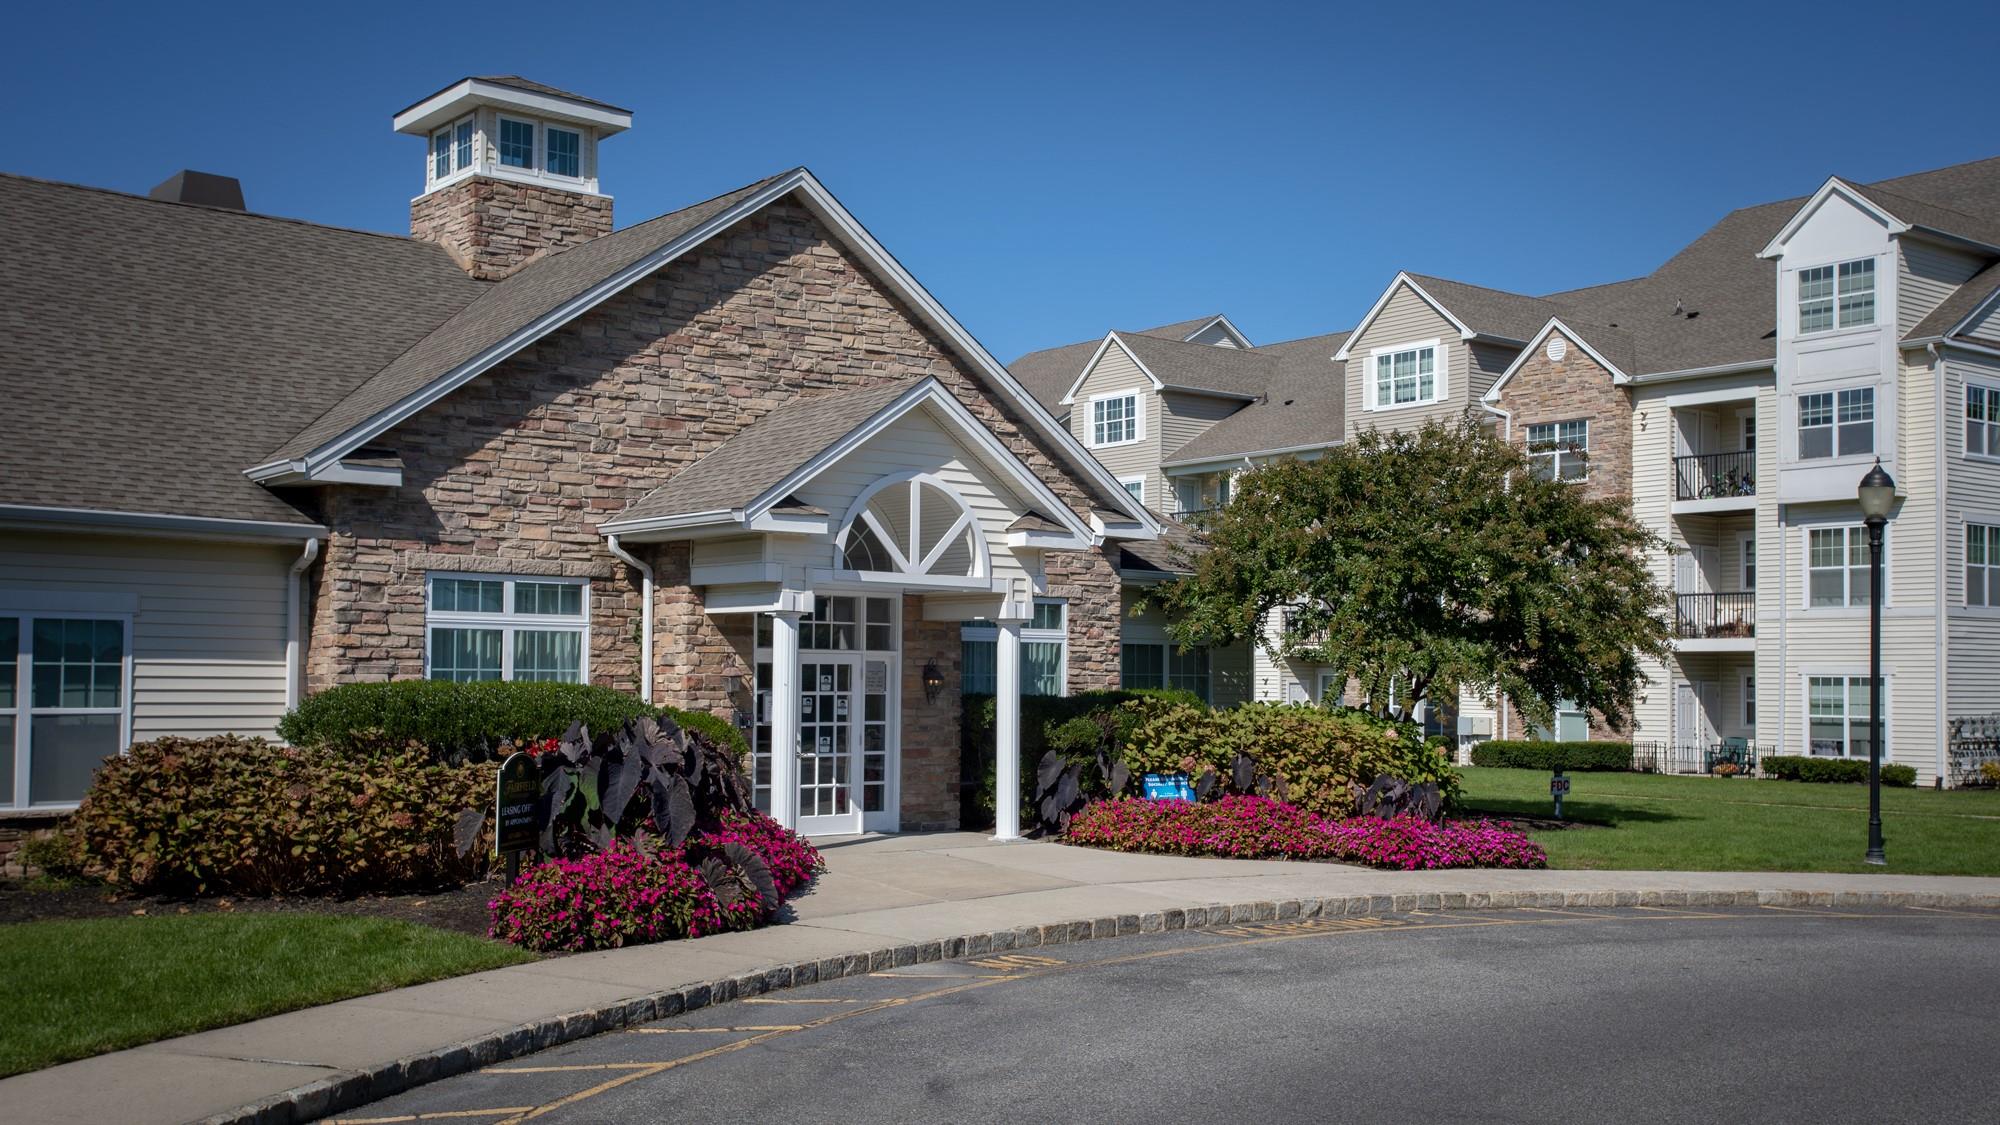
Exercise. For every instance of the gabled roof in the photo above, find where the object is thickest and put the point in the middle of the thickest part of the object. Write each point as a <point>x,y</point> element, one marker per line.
<point>1601,343</point>
<point>1049,373</point>
<point>1956,312</point>
<point>768,461</point>
<point>1934,218</point>
<point>1232,372</point>
<point>150,350</point>
<point>1301,408</point>
<point>1159,558</point>
<point>1492,313</point>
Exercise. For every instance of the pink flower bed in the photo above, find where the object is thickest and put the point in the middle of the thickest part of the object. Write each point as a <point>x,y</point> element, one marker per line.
<point>1243,827</point>
<point>626,896</point>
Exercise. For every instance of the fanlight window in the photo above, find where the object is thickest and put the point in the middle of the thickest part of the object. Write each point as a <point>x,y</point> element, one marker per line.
<point>915,525</point>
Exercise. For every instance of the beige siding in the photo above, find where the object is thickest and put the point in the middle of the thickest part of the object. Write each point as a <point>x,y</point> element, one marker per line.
<point>1183,417</point>
<point>1987,327</point>
<point>1214,334</point>
<point>1486,363</point>
<point>1407,319</point>
<point>1972,495</point>
<point>1926,275</point>
<point>1114,372</point>
<point>208,634</point>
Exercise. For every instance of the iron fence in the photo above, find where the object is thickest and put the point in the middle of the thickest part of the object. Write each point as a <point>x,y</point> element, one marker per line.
<point>1731,614</point>
<point>1663,756</point>
<point>1972,742</point>
<point>1714,476</point>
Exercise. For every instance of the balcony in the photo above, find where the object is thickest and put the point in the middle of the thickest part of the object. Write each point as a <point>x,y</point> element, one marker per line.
<point>1716,482</point>
<point>1721,622</point>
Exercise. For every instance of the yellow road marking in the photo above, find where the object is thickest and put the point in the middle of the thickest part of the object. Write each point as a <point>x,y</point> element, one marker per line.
<point>1814,911</point>
<point>1568,913</point>
<point>1960,913</point>
<point>1011,962</point>
<point>1678,912</point>
<point>789,1000</point>
<point>560,1069</point>
<point>705,1030</point>
<point>439,1115</point>
<point>931,976</point>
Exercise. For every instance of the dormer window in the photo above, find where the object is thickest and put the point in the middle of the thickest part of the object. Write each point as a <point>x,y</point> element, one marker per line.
<point>1409,375</point>
<point>451,149</point>
<point>1837,296</point>
<point>1114,419</point>
<point>517,143</point>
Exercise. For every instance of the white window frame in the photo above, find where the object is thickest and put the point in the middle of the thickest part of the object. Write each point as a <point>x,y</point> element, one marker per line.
<point>1746,561</point>
<point>1557,455</point>
<point>1136,423</point>
<point>1127,482</point>
<point>1987,523</point>
<point>1849,676</point>
<point>542,151</point>
<point>1989,427</point>
<point>1747,700</point>
<point>507,621</point>
<point>985,632</point>
<point>534,167</point>
<point>458,168</point>
<point>1837,452</point>
<point>24,710</point>
<point>1836,310</point>
<point>1440,390</point>
<point>1847,605</point>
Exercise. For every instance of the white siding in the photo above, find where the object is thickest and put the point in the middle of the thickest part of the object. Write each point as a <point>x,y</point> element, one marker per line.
<point>1113,372</point>
<point>208,638</point>
<point>1972,495</point>
<point>1926,275</point>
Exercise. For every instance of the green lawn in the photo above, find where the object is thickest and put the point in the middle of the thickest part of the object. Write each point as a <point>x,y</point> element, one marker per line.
<point>77,988</point>
<point>1651,822</point>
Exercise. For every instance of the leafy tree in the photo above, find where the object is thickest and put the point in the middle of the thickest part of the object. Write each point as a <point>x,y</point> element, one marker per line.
<point>1423,562</point>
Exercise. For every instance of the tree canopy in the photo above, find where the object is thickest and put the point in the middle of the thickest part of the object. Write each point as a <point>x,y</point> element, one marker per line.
<point>1424,562</point>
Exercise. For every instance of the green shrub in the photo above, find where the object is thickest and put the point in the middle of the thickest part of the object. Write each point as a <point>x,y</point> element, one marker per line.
<point>467,721</point>
<point>54,853</point>
<point>1040,714</point>
<point>1570,757</point>
<point>1798,767</point>
<point>1320,755</point>
<point>242,815</point>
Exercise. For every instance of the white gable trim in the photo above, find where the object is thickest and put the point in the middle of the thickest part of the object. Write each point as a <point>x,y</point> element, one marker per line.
<point>1464,333</point>
<point>829,210</point>
<point>1110,339</point>
<point>1533,347</point>
<point>1832,187</point>
<point>1227,326</point>
<point>928,392</point>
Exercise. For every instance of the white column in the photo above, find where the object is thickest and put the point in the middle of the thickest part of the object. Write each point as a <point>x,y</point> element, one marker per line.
<point>1007,733</point>
<point>785,718</point>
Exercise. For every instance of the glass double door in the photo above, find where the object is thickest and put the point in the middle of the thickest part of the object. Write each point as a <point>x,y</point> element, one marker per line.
<point>846,742</point>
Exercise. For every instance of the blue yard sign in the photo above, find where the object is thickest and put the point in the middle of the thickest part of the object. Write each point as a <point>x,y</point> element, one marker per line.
<point>1168,787</point>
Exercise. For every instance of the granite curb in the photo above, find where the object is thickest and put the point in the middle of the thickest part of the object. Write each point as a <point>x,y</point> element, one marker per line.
<point>354,1088</point>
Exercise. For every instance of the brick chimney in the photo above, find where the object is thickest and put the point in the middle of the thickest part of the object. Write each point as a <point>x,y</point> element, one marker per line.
<point>510,171</point>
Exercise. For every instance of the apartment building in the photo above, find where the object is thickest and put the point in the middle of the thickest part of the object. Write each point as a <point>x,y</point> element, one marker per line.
<point>1856,323</point>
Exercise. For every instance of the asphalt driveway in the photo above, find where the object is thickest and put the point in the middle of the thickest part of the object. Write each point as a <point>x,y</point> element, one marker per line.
<point>1765,1013</point>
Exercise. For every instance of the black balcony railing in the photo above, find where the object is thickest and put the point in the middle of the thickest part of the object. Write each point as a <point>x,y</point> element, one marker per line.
<point>1715,615</point>
<point>1715,476</point>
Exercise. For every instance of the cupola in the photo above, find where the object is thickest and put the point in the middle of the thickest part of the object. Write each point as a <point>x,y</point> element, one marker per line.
<point>510,170</point>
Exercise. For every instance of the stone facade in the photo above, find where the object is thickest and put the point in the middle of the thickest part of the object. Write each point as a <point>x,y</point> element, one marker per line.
<point>1090,583</point>
<point>513,472</point>
<point>494,227</point>
<point>1576,387</point>
<point>930,730</point>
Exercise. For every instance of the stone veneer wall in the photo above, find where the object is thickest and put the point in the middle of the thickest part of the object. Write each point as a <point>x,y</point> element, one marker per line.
<point>494,227</point>
<point>1096,623</point>
<point>930,746</point>
<point>18,828</point>
<point>513,472</point>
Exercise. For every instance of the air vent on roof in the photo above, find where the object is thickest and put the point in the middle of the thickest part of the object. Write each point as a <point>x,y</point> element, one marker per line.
<point>204,188</point>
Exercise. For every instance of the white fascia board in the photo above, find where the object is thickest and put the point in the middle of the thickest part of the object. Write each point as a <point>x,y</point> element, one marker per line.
<point>27,516</point>
<point>756,599</point>
<point>1045,541</point>
<point>1110,338</point>
<point>1834,185</point>
<point>1209,392</point>
<point>778,524</point>
<point>736,574</point>
<point>1190,467</point>
<point>1528,351</point>
<point>536,329</point>
<point>1382,302</point>
<point>729,518</point>
<point>1702,372</point>
<point>457,100</point>
<point>1227,326</point>
<point>1132,529</point>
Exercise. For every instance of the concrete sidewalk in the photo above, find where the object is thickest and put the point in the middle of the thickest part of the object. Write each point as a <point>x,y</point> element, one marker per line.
<point>884,901</point>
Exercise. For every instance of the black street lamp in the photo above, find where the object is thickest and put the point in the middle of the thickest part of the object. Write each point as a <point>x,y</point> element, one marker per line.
<point>1878,494</point>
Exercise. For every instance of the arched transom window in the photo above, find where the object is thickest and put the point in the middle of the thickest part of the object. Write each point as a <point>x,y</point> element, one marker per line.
<point>913,524</point>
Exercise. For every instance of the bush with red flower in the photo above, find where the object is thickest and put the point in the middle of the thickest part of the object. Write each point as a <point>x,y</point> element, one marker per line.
<point>1247,827</point>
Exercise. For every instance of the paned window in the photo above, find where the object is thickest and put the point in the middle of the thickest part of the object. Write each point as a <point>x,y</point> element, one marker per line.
<point>62,704</point>
<point>1982,565</point>
<point>1838,296</point>
<point>1837,566</point>
<point>1982,420</point>
<point>565,152</point>
<point>1837,723</point>
<point>1044,652</point>
<point>517,143</point>
<point>1837,423</point>
<point>1114,420</point>
<point>1406,377</point>
<point>1156,665</point>
<point>1559,450</point>
<point>501,628</point>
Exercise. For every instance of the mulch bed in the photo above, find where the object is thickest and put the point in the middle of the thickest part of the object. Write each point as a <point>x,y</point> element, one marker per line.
<point>462,910</point>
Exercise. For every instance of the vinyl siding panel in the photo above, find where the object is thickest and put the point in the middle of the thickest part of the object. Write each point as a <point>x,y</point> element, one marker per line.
<point>1406,319</point>
<point>1987,326</point>
<point>1972,495</point>
<point>1115,372</point>
<point>1925,276</point>
<point>1183,417</point>
<point>1214,334</point>
<point>208,637</point>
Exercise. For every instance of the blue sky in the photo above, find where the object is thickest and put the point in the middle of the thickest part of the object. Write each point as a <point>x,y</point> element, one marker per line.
<point>1050,171</point>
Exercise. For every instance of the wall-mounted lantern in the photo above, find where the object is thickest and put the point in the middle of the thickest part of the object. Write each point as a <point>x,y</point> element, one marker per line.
<point>933,681</point>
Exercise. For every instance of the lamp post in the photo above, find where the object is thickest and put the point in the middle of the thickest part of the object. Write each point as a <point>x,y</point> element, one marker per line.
<point>1877,493</point>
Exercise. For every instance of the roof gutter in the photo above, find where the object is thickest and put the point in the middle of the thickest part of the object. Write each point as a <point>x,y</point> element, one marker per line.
<point>645,614</point>
<point>157,523</point>
<point>1698,372</point>
<point>1225,458</point>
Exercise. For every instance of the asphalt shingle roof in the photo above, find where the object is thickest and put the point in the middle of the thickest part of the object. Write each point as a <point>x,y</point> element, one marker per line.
<point>151,351</point>
<point>1302,405</point>
<point>500,311</point>
<point>1204,367</point>
<point>1963,301</point>
<point>1048,373</point>
<point>765,452</point>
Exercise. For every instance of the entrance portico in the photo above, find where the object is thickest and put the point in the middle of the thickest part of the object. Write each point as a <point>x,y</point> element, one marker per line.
<point>844,538</point>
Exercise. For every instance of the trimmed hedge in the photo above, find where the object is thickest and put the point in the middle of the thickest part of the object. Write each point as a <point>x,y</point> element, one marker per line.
<point>1040,715</point>
<point>1571,757</point>
<point>466,721</point>
<point>1798,767</point>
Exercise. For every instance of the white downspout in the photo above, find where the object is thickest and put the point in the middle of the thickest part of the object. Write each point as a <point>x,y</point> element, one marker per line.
<point>645,615</point>
<point>1940,379</point>
<point>294,626</point>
